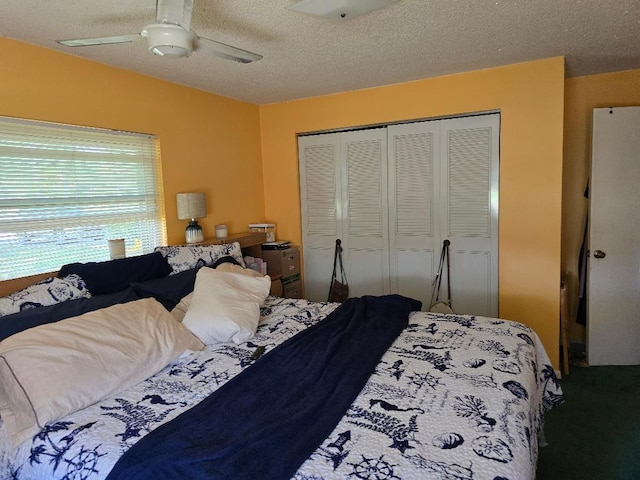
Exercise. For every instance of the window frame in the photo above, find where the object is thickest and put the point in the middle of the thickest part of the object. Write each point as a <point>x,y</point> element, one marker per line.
<point>65,190</point>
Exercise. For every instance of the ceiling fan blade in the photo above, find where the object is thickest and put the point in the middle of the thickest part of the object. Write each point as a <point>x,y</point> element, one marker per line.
<point>211,47</point>
<point>177,12</point>
<point>85,42</point>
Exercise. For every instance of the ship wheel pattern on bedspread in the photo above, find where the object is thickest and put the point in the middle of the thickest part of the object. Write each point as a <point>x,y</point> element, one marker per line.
<point>448,400</point>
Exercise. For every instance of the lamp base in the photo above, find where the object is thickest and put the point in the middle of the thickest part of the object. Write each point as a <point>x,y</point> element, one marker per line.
<point>194,233</point>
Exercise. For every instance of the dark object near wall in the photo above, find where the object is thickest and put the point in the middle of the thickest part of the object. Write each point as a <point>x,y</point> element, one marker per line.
<point>227,259</point>
<point>168,290</point>
<point>339,289</point>
<point>115,275</point>
<point>443,305</point>
<point>18,322</point>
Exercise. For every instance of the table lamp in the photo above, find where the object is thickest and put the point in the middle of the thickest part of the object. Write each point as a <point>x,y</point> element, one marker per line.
<point>190,207</point>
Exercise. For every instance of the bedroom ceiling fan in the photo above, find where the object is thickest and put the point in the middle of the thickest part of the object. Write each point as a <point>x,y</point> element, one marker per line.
<point>170,36</point>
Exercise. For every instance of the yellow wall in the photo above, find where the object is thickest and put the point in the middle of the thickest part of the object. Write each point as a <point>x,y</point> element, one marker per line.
<point>208,143</point>
<point>212,144</point>
<point>582,95</point>
<point>530,98</point>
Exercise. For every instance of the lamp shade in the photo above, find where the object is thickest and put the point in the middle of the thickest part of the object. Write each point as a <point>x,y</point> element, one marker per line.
<point>191,205</point>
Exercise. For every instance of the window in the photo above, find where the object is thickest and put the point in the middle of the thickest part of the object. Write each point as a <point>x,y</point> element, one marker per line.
<point>66,190</point>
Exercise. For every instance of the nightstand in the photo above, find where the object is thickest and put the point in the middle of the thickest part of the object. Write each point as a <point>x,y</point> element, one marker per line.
<point>250,242</point>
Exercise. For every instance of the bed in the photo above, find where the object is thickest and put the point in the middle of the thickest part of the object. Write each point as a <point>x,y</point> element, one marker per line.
<point>453,397</point>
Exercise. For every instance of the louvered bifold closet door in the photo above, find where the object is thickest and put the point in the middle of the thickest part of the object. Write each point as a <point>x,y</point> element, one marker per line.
<point>469,210</point>
<point>365,241</point>
<point>320,193</point>
<point>413,194</point>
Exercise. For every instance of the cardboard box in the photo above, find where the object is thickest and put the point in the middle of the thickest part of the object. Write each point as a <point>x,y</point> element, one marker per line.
<point>285,263</point>
<point>292,287</point>
<point>276,288</point>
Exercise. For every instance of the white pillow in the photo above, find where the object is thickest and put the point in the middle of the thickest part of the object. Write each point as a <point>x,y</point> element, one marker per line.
<point>180,310</point>
<point>186,257</point>
<point>225,306</point>
<point>53,370</point>
<point>46,292</point>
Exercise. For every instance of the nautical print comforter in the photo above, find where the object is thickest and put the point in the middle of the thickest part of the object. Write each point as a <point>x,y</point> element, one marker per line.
<point>455,397</point>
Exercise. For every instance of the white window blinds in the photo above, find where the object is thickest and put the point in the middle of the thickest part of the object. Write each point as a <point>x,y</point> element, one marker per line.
<point>66,190</point>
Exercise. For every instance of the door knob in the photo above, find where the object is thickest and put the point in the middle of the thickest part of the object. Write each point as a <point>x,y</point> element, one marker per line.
<point>599,254</point>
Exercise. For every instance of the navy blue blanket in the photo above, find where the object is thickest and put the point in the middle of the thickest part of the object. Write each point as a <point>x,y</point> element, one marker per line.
<point>264,423</point>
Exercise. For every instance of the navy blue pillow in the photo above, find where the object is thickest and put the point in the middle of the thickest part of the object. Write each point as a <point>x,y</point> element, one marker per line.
<point>115,275</point>
<point>17,322</point>
<point>167,290</point>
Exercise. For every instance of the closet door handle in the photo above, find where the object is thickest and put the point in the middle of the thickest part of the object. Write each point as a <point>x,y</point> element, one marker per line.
<point>599,254</point>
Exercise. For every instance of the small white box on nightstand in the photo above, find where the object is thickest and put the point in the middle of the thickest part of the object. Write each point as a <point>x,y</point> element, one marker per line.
<point>268,228</point>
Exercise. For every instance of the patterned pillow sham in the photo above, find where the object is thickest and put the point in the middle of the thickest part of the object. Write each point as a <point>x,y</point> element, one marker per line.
<point>46,292</point>
<point>186,257</point>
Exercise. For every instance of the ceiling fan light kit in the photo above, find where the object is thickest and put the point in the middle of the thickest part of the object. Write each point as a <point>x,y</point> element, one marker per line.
<point>167,40</point>
<point>337,10</point>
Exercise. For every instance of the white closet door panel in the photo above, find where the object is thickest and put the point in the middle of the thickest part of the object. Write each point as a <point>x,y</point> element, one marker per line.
<point>365,184</point>
<point>470,182</point>
<point>469,209</point>
<point>471,279</point>
<point>365,269</point>
<point>320,187</point>
<point>413,185</point>
<point>320,194</point>
<point>416,267</point>
<point>365,240</point>
<point>470,188</point>
<point>318,264</point>
<point>411,165</point>
<point>413,195</point>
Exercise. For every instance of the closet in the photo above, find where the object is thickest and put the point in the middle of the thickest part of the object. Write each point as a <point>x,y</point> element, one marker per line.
<point>393,194</point>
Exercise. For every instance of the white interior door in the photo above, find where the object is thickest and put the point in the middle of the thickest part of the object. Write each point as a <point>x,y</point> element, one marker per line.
<point>613,295</point>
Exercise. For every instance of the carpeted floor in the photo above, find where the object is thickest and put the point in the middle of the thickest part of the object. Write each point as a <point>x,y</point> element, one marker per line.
<point>595,434</point>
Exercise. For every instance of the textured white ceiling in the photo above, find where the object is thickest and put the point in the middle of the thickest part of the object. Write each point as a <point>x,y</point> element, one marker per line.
<point>307,56</point>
